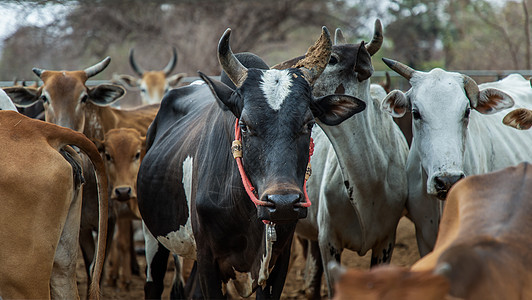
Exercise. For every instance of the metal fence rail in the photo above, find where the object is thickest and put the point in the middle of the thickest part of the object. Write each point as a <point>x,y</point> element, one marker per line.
<point>377,76</point>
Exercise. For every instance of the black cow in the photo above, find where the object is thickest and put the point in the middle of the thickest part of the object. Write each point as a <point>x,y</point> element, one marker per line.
<point>191,194</point>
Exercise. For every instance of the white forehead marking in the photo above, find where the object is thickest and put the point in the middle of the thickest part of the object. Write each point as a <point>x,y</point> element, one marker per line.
<point>276,86</point>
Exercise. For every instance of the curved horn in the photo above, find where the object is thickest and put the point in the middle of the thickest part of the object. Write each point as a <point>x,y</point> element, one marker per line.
<point>97,68</point>
<point>38,71</point>
<point>339,37</point>
<point>172,63</point>
<point>376,42</point>
<point>230,64</point>
<point>317,57</point>
<point>471,90</point>
<point>134,65</point>
<point>400,68</point>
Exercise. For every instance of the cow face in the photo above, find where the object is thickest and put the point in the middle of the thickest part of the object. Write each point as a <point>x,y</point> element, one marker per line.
<point>441,103</point>
<point>276,113</point>
<point>65,95</point>
<point>122,151</point>
<point>152,84</point>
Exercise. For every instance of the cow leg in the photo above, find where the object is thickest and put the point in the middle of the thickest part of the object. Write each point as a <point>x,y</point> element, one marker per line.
<point>114,261</point>
<point>209,275</point>
<point>178,286</point>
<point>382,252</point>
<point>135,269</point>
<point>275,283</point>
<point>63,283</point>
<point>330,250</point>
<point>313,271</point>
<point>156,262</point>
<point>123,241</point>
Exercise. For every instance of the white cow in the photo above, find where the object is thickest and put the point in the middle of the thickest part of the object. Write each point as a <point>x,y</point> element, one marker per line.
<point>358,186</point>
<point>457,131</point>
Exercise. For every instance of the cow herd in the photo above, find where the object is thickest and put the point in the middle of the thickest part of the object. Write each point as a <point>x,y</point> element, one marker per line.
<point>225,174</point>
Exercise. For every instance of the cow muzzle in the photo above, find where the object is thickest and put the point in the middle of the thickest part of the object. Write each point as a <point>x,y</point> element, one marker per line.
<point>283,209</point>
<point>123,193</point>
<point>442,183</point>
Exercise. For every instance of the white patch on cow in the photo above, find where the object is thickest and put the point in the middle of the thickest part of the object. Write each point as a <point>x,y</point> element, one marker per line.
<point>276,86</point>
<point>181,241</point>
<point>243,283</point>
<point>5,102</point>
<point>197,82</point>
<point>151,248</point>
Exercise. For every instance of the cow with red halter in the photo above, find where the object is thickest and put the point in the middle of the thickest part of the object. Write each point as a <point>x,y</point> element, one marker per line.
<point>236,219</point>
<point>152,84</point>
<point>68,102</point>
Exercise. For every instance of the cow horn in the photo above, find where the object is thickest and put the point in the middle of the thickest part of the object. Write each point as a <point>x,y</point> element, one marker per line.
<point>376,42</point>
<point>171,64</point>
<point>471,90</point>
<point>97,68</point>
<point>400,68</point>
<point>317,57</point>
<point>339,37</point>
<point>37,71</point>
<point>134,65</point>
<point>230,64</point>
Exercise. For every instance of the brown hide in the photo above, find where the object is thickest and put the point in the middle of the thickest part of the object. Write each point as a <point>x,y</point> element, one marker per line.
<point>37,189</point>
<point>483,245</point>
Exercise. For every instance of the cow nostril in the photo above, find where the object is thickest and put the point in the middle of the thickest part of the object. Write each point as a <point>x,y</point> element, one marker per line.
<point>439,183</point>
<point>123,193</point>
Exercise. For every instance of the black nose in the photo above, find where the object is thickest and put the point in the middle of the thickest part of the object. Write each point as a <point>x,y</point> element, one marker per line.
<point>123,193</point>
<point>285,208</point>
<point>444,183</point>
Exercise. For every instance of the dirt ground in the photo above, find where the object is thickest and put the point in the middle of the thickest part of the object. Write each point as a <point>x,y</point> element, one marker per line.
<point>405,254</point>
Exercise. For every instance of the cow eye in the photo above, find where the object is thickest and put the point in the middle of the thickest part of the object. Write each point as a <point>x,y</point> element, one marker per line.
<point>108,157</point>
<point>243,127</point>
<point>467,112</point>
<point>143,91</point>
<point>416,115</point>
<point>44,98</point>
<point>84,99</point>
<point>137,156</point>
<point>333,60</point>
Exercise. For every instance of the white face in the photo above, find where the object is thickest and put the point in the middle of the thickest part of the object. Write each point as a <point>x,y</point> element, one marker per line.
<point>440,116</point>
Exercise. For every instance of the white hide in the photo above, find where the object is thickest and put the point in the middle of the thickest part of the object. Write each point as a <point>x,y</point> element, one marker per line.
<point>444,144</point>
<point>151,248</point>
<point>5,102</point>
<point>276,86</point>
<point>368,152</point>
<point>182,242</point>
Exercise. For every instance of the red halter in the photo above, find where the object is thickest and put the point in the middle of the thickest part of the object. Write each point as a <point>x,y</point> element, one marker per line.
<point>252,193</point>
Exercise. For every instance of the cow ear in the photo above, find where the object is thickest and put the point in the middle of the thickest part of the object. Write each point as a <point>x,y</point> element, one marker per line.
<point>22,96</point>
<point>396,104</point>
<point>127,81</point>
<point>493,100</point>
<point>224,95</point>
<point>520,118</point>
<point>175,79</point>
<point>105,94</point>
<point>334,109</point>
<point>363,65</point>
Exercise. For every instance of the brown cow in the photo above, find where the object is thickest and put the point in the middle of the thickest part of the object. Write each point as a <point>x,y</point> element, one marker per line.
<point>482,250</point>
<point>40,199</point>
<point>123,150</point>
<point>152,84</point>
<point>68,102</point>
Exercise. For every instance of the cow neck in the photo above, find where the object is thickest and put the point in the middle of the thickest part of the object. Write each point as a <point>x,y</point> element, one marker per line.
<point>94,125</point>
<point>236,149</point>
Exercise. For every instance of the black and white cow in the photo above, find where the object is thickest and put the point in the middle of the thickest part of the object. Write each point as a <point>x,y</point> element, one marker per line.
<point>191,194</point>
